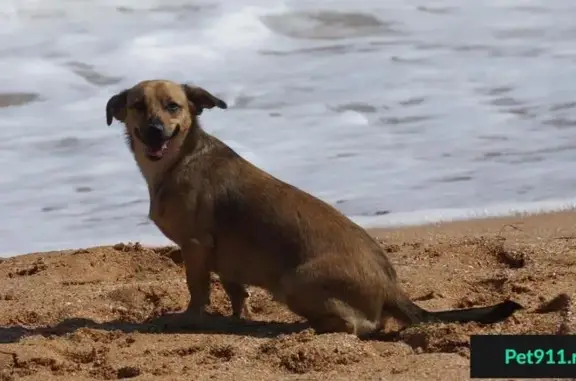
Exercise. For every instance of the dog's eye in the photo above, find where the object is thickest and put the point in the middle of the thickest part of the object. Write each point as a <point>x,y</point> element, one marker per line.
<point>172,107</point>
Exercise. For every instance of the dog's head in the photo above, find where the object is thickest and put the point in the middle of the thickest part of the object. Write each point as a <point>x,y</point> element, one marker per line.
<point>156,112</point>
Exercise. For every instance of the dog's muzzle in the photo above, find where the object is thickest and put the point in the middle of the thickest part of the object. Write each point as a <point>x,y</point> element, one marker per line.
<point>156,139</point>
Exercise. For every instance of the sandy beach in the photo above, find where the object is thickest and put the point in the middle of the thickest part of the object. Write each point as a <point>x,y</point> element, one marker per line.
<point>90,313</point>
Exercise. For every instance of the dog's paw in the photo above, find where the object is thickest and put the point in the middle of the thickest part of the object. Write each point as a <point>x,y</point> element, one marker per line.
<point>192,319</point>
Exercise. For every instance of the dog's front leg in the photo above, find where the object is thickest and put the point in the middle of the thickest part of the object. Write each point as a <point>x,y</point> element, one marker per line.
<point>196,254</point>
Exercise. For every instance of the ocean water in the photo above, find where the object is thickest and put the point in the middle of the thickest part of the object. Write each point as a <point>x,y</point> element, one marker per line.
<point>397,111</point>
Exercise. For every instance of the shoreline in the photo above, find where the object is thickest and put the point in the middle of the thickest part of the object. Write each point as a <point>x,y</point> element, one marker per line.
<point>494,211</point>
<point>392,221</point>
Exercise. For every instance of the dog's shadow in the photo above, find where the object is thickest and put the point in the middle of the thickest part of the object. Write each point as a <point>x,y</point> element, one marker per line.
<point>225,326</point>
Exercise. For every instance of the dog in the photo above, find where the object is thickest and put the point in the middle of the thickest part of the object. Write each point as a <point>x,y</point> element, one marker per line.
<point>252,229</point>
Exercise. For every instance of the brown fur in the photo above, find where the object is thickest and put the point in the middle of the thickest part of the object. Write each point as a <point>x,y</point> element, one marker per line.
<point>231,218</point>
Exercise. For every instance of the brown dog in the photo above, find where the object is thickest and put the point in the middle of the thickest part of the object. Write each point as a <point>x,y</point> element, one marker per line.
<point>250,228</point>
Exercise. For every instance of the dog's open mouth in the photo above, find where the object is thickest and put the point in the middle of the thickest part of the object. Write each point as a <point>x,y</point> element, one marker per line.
<point>156,153</point>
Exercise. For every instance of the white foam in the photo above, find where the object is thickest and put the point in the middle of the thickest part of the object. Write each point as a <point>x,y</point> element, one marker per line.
<point>401,155</point>
<point>354,118</point>
<point>237,30</point>
<point>39,76</point>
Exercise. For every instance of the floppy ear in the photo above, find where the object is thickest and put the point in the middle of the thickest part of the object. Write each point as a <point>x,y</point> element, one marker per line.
<point>116,107</point>
<point>202,99</point>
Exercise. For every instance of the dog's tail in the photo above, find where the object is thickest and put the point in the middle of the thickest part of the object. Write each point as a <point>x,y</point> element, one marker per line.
<point>409,312</point>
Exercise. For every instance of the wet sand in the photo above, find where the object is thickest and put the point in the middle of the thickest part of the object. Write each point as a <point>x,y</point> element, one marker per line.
<point>94,313</point>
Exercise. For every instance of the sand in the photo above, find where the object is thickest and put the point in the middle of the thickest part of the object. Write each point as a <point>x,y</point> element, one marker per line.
<point>93,313</point>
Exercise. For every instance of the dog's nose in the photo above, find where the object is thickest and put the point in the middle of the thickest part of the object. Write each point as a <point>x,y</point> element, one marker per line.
<point>156,128</point>
<point>156,124</point>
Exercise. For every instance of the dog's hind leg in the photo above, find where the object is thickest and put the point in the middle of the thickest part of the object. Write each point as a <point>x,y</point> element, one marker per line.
<point>332,315</point>
<point>339,317</point>
<point>324,307</point>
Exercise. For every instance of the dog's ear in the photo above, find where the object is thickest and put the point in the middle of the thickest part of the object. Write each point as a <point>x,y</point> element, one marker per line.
<point>202,99</point>
<point>116,107</point>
